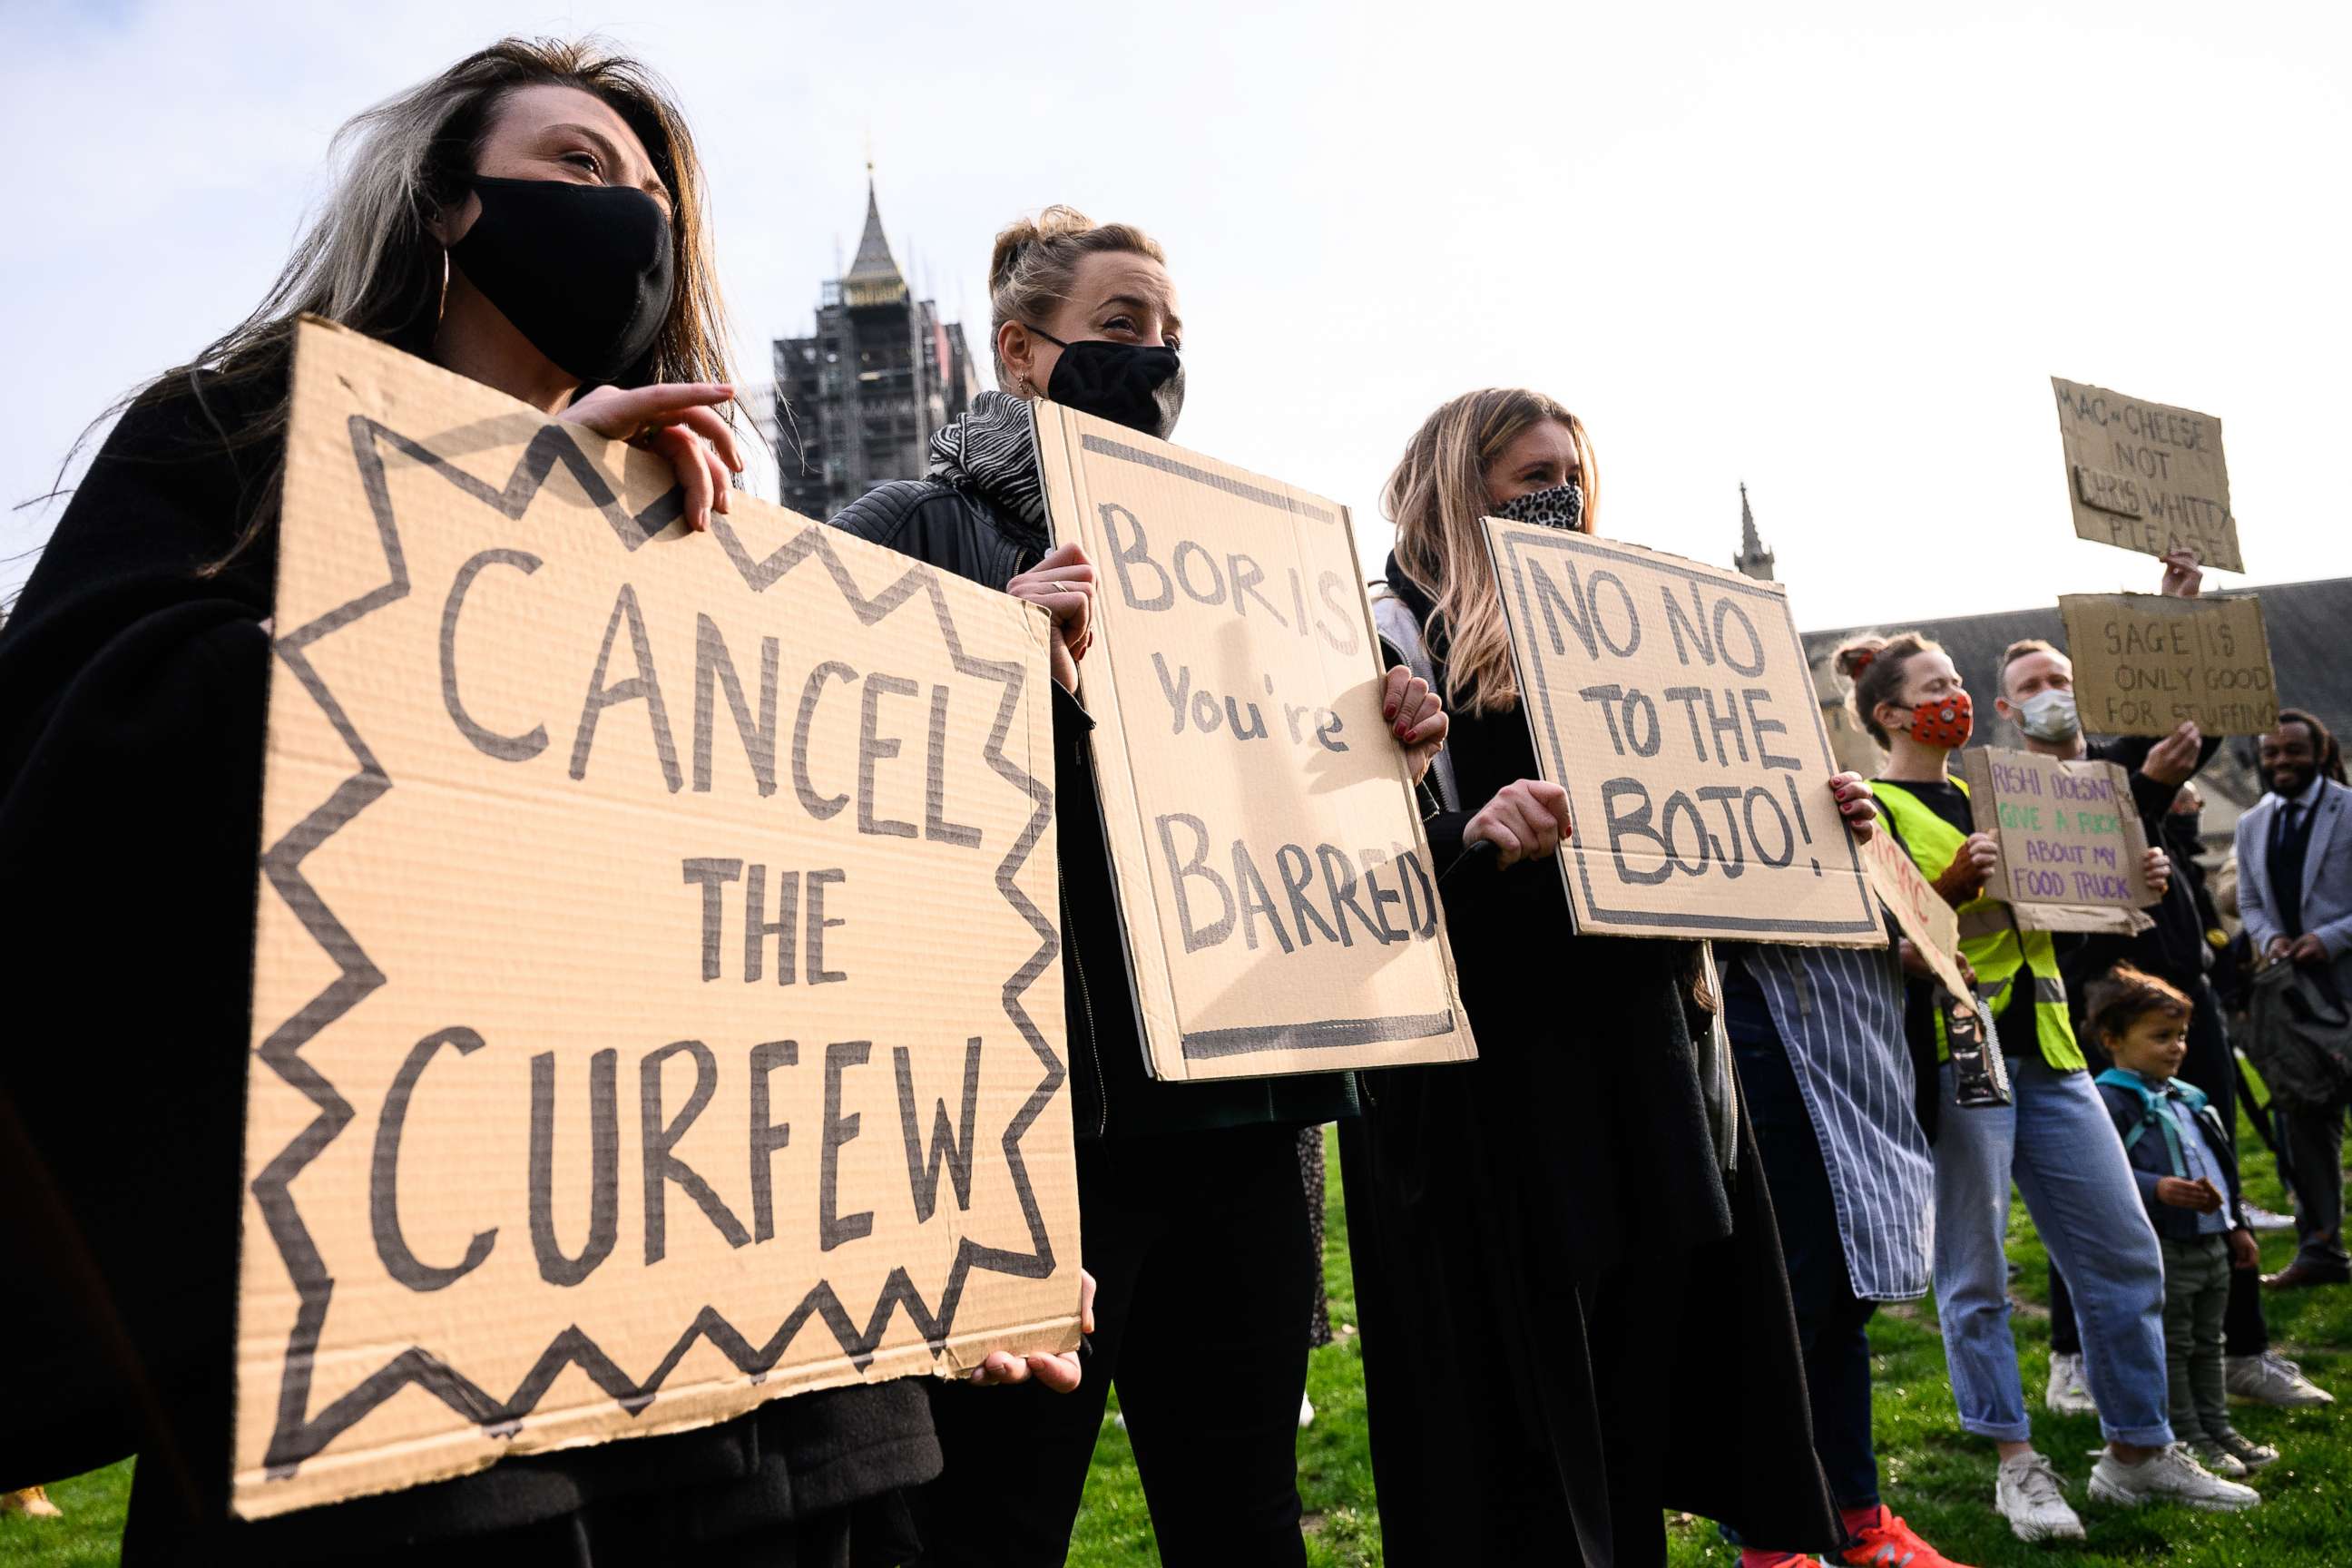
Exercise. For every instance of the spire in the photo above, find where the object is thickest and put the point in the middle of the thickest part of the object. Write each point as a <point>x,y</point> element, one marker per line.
<point>874,279</point>
<point>1753,558</point>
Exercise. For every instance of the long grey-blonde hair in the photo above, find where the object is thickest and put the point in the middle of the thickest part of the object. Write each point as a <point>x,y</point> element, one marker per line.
<point>371,260</point>
<point>1435,498</point>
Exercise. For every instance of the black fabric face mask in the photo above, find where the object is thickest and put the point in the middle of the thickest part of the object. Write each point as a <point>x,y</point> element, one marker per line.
<point>1127,383</point>
<point>582,272</point>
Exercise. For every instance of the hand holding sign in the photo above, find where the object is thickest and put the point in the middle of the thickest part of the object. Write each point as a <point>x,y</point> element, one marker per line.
<point>675,422</point>
<point>1972,868</point>
<point>1418,715</point>
<point>1527,820</point>
<point>1856,804</point>
<point>2183,577</point>
<point>2172,760</point>
<point>1063,583</point>
<point>1056,1372</point>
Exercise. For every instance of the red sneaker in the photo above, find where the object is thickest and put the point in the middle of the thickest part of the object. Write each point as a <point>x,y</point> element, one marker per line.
<point>1890,1544</point>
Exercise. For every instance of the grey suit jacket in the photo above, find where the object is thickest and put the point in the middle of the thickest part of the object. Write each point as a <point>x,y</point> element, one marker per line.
<point>2326,875</point>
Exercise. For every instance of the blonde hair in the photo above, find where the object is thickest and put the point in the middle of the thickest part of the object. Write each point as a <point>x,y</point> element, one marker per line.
<point>1436,497</point>
<point>1035,263</point>
<point>371,260</point>
<point>1873,668</point>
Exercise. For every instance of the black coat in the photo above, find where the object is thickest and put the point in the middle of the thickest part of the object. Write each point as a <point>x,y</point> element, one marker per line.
<point>134,688</point>
<point>958,530</point>
<point>2174,947</point>
<point>1570,1323</point>
<point>2150,1156</point>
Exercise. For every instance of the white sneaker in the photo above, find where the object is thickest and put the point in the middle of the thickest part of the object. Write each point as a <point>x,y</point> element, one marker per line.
<point>2263,1219</point>
<point>2028,1494</point>
<point>2068,1394</point>
<point>1306,1411</point>
<point>2173,1474</point>
<point>2271,1379</point>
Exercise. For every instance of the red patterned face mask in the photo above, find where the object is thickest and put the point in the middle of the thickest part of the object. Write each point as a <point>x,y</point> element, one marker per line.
<point>1946,723</point>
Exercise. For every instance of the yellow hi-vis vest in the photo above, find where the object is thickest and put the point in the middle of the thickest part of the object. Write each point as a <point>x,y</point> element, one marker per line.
<point>1989,938</point>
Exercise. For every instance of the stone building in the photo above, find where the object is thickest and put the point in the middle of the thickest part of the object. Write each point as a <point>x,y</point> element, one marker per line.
<point>857,401</point>
<point>2310,624</point>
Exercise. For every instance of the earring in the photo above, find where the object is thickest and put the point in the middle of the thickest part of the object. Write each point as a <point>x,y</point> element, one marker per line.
<point>441,309</point>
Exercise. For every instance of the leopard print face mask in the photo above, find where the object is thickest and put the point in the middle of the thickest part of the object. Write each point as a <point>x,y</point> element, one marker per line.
<point>1560,507</point>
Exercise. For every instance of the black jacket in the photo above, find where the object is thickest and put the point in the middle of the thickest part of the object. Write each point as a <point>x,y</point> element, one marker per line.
<point>133,700</point>
<point>2175,947</point>
<point>1527,1227</point>
<point>2151,1159</point>
<point>959,531</point>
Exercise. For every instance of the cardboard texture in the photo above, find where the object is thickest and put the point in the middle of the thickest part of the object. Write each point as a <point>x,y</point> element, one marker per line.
<point>1932,925</point>
<point>615,1069</point>
<point>1280,911</point>
<point>2146,477</point>
<point>1673,701</point>
<point>2146,663</point>
<point>2072,849</point>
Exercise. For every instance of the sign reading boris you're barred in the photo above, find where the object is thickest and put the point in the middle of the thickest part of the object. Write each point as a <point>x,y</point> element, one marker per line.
<point>1674,703</point>
<point>1273,879</point>
<point>2146,477</point>
<point>599,1086</point>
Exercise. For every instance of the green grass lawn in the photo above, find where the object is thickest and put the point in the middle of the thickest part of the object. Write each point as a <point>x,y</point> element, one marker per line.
<point>1938,1478</point>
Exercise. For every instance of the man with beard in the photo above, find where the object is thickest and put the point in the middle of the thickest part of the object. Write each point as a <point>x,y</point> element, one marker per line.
<point>2294,892</point>
<point>2036,694</point>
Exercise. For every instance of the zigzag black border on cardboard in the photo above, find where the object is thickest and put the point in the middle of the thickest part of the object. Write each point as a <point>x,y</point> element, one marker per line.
<point>299,1433</point>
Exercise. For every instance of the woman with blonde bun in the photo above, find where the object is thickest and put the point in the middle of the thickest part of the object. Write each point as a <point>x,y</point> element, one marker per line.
<point>1193,1221</point>
<point>2049,1140</point>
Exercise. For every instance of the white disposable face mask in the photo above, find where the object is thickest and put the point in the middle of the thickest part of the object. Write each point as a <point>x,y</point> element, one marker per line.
<point>2049,715</point>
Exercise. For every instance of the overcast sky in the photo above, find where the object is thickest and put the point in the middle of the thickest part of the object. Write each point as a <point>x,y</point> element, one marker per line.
<point>1834,251</point>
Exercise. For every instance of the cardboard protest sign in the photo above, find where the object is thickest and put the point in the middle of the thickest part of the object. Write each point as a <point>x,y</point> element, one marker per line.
<point>1273,879</point>
<point>1674,703</point>
<point>2146,477</point>
<point>613,1070</point>
<point>2146,663</point>
<point>1931,923</point>
<point>2072,849</point>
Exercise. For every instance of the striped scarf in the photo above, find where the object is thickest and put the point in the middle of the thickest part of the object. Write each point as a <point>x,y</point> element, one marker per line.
<point>993,449</point>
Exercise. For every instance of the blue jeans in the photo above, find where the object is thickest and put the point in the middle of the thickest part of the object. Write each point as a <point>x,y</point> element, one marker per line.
<point>2056,1141</point>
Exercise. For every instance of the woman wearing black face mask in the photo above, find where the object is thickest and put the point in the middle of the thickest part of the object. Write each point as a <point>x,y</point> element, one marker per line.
<point>1192,1211</point>
<point>532,218</point>
<point>1571,1320</point>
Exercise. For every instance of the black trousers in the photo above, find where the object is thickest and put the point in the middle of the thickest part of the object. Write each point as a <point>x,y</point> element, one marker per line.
<point>1198,1243</point>
<point>2213,1067</point>
<point>2314,1136</point>
<point>1832,1321</point>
